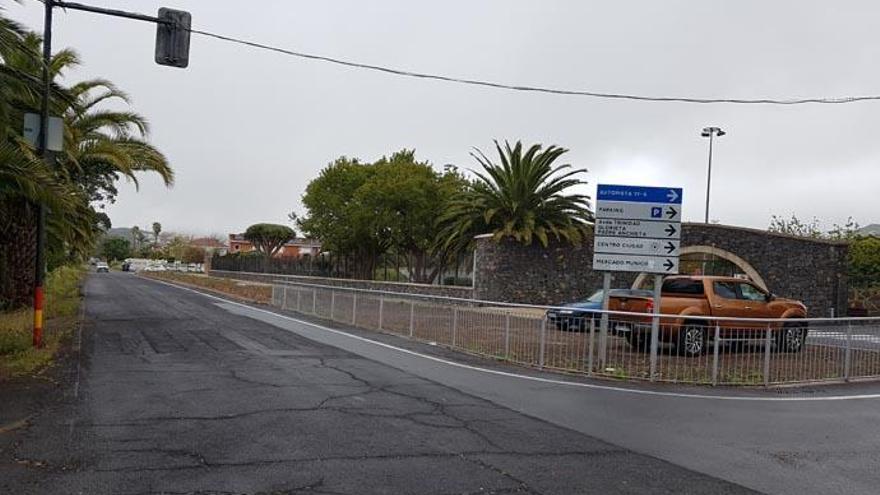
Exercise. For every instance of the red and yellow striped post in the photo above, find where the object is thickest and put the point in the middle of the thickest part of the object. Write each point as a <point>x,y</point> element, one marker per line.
<point>38,316</point>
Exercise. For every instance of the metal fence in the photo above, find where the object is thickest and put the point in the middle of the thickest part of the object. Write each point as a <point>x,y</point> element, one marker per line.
<point>698,350</point>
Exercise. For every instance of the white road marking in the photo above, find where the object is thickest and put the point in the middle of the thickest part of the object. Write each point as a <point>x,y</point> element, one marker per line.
<point>527,377</point>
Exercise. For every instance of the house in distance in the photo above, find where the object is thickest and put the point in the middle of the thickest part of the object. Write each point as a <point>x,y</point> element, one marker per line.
<point>296,248</point>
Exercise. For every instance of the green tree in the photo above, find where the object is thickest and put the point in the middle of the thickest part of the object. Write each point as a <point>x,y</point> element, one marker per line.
<point>796,227</point>
<point>157,229</point>
<point>864,262</point>
<point>24,181</point>
<point>364,210</point>
<point>812,229</point>
<point>334,214</point>
<point>848,231</point>
<point>192,254</point>
<point>402,197</point>
<point>522,197</point>
<point>179,248</point>
<point>115,248</point>
<point>137,238</point>
<point>269,238</point>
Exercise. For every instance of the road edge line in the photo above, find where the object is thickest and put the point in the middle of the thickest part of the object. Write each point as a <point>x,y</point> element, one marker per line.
<point>655,393</point>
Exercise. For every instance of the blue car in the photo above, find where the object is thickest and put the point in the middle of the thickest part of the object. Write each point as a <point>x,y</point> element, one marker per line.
<point>576,316</point>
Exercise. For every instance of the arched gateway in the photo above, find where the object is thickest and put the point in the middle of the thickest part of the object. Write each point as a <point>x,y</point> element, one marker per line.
<point>694,261</point>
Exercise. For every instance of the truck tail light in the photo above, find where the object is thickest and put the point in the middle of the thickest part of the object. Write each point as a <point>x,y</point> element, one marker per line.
<point>649,308</point>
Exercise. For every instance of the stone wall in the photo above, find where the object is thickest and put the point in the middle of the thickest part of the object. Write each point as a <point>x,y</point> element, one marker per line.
<point>812,271</point>
<point>431,290</point>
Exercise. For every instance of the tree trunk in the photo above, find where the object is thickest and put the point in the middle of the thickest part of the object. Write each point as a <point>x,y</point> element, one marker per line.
<point>18,234</point>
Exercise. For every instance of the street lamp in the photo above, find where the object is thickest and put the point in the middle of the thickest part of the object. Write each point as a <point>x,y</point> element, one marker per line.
<point>710,132</point>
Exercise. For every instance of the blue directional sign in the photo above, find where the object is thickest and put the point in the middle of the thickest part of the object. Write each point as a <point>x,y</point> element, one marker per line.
<point>637,229</point>
<point>639,194</point>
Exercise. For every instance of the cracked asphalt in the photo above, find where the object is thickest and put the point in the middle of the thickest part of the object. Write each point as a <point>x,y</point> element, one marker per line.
<point>176,395</point>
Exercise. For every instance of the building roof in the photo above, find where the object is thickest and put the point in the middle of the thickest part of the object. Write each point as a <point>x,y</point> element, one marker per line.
<point>206,242</point>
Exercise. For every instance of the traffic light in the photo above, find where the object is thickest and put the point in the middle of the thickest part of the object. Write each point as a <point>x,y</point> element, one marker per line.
<point>172,37</point>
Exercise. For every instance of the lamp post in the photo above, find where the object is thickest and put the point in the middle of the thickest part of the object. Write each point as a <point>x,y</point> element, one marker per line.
<point>710,132</point>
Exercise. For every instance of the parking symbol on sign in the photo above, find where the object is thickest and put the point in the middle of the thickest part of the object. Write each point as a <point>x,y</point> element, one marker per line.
<point>656,212</point>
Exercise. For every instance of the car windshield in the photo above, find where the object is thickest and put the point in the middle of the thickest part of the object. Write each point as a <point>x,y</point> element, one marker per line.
<point>595,298</point>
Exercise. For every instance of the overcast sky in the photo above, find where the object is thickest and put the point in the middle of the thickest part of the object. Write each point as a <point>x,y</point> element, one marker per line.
<point>246,129</point>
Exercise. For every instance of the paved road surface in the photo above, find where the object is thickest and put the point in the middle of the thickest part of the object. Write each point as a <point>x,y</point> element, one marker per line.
<point>182,393</point>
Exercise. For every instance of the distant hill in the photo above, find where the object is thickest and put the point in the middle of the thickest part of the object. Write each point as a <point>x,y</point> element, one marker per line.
<point>873,229</point>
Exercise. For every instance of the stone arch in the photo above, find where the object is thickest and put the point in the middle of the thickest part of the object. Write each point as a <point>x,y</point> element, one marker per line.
<point>742,264</point>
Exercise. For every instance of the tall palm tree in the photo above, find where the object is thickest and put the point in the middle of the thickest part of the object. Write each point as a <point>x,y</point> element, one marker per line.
<point>157,229</point>
<point>522,197</point>
<point>99,146</point>
<point>14,82</point>
<point>25,181</point>
<point>104,142</point>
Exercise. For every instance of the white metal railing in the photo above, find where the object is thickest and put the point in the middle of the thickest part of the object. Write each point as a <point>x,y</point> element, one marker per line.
<point>703,350</point>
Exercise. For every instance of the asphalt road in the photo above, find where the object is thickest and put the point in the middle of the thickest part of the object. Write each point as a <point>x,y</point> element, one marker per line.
<point>183,393</point>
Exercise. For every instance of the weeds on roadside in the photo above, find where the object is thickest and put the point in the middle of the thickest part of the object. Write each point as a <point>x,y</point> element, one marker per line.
<point>17,355</point>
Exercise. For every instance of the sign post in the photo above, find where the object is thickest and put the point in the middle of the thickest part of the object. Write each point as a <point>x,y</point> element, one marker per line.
<point>638,229</point>
<point>603,325</point>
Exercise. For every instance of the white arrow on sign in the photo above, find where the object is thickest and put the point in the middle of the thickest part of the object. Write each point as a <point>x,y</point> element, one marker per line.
<point>625,245</point>
<point>617,227</point>
<point>638,211</point>
<point>630,263</point>
<point>672,195</point>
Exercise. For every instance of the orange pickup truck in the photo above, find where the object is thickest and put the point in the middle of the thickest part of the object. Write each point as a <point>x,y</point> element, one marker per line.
<point>685,297</point>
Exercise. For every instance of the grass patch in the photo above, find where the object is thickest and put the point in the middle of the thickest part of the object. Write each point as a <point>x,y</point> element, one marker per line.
<point>63,297</point>
<point>247,291</point>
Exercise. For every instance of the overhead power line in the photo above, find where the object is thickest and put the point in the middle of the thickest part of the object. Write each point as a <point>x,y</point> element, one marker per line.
<point>538,89</point>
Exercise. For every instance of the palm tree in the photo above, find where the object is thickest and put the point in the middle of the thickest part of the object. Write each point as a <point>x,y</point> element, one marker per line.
<point>25,181</point>
<point>101,142</point>
<point>99,146</point>
<point>98,143</point>
<point>157,228</point>
<point>522,198</point>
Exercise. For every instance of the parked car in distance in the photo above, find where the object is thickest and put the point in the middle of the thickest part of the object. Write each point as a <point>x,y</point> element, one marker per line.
<point>686,297</point>
<point>102,266</point>
<point>137,264</point>
<point>126,266</point>
<point>155,268</point>
<point>576,316</point>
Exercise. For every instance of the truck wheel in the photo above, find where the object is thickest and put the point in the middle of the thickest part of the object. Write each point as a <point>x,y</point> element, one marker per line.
<point>791,337</point>
<point>691,339</point>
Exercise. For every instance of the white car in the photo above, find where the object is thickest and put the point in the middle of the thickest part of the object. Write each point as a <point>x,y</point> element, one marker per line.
<point>102,266</point>
<point>155,268</point>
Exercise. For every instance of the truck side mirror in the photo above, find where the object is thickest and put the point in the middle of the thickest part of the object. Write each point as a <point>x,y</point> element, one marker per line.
<point>769,297</point>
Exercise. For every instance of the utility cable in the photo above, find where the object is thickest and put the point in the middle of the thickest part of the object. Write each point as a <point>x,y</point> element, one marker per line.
<point>537,89</point>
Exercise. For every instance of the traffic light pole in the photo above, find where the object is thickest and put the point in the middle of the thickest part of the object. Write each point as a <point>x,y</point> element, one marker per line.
<point>101,10</point>
<point>172,49</point>
<point>40,265</point>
